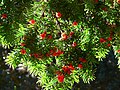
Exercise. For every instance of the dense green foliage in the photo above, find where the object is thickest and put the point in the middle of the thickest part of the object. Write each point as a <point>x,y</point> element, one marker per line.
<point>60,41</point>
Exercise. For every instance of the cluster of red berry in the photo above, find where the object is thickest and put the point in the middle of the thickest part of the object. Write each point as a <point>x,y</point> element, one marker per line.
<point>103,40</point>
<point>44,34</point>
<point>54,52</point>
<point>68,69</point>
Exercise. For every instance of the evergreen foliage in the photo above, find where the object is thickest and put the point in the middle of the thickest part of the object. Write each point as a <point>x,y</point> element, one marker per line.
<point>60,41</point>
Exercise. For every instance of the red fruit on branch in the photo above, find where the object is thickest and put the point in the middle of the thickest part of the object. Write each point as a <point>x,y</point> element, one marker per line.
<point>22,44</point>
<point>60,78</point>
<point>49,37</point>
<point>71,67</point>
<point>43,35</point>
<point>69,72</point>
<point>118,51</point>
<point>47,55</point>
<point>58,53</point>
<point>102,40</point>
<point>23,51</point>
<point>75,23</point>
<point>32,21</point>
<point>51,51</point>
<point>80,66</point>
<point>55,54</point>
<point>58,14</point>
<point>64,36</point>
<point>66,69</point>
<point>71,34</point>
<point>36,55</point>
<point>108,44</point>
<point>104,9</point>
<point>74,44</point>
<point>118,1</point>
<point>4,16</point>
<point>109,38</point>
<point>96,1</point>
<point>83,60</point>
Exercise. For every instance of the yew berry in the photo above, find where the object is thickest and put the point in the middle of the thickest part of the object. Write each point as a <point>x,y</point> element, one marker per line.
<point>55,54</point>
<point>102,40</point>
<point>71,67</point>
<point>36,55</point>
<point>108,44</point>
<point>47,54</point>
<point>58,53</point>
<point>80,66</point>
<point>71,34</point>
<point>23,51</point>
<point>22,44</point>
<point>49,37</point>
<point>118,1</point>
<point>109,38</point>
<point>64,36</point>
<point>104,8</point>
<point>69,71</point>
<point>4,16</point>
<point>74,44</point>
<point>51,51</point>
<point>60,78</point>
<point>96,1</point>
<point>83,60</point>
<point>43,35</point>
<point>66,69</point>
<point>58,14</point>
<point>32,21</point>
<point>75,23</point>
<point>118,51</point>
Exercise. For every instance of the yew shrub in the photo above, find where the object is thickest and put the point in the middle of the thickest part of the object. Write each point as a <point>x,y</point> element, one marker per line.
<point>60,41</point>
